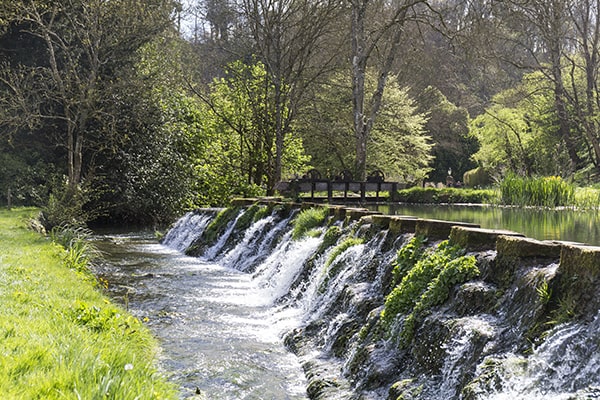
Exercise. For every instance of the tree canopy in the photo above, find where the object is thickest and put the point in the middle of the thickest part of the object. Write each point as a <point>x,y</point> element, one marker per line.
<point>139,110</point>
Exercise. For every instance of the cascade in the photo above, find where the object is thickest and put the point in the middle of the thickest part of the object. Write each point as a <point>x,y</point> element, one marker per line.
<point>495,317</point>
<point>187,229</point>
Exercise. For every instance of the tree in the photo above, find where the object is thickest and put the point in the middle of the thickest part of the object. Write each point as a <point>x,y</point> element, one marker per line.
<point>520,133</point>
<point>238,116</point>
<point>290,36</point>
<point>376,29</point>
<point>448,126</point>
<point>76,46</point>
<point>398,146</point>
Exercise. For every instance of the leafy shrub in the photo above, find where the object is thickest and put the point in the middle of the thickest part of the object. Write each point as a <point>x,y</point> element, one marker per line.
<point>446,195</point>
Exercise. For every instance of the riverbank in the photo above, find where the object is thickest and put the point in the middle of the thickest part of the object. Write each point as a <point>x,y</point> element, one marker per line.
<point>60,337</point>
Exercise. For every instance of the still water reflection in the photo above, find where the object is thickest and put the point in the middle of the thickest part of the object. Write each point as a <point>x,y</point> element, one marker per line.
<point>568,225</point>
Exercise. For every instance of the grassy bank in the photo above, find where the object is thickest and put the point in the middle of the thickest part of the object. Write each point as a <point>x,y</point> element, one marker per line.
<point>59,336</point>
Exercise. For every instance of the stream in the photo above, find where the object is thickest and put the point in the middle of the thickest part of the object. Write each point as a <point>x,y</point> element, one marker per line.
<point>218,335</point>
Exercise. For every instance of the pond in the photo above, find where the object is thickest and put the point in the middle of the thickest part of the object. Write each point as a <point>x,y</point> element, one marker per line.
<point>566,225</point>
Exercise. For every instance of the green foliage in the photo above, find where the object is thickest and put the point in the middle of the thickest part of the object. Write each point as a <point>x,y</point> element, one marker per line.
<point>79,250</point>
<point>545,192</point>
<point>340,248</point>
<point>219,223</point>
<point>519,133</point>
<point>446,195</point>
<point>331,236</point>
<point>587,198</point>
<point>477,177</point>
<point>66,206</point>
<point>238,118</point>
<point>407,257</point>
<point>544,292</point>
<point>261,212</point>
<point>399,145</point>
<point>331,267</point>
<point>307,220</point>
<point>448,126</point>
<point>427,284</point>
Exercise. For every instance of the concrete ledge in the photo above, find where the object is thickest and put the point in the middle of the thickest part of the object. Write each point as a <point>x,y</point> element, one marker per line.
<point>478,239</point>
<point>354,214</point>
<point>580,261</point>
<point>381,221</point>
<point>436,229</point>
<point>523,247</point>
<point>402,224</point>
<point>243,202</point>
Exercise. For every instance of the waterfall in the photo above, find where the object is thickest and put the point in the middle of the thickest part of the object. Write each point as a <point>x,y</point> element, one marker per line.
<point>326,292</point>
<point>187,229</point>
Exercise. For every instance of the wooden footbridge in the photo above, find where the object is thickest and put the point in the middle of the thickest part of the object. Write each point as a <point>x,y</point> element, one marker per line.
<point>341,188</point>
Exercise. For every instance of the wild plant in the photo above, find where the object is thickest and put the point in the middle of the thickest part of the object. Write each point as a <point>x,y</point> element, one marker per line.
<point>550,191</point>
<point>307,220</point>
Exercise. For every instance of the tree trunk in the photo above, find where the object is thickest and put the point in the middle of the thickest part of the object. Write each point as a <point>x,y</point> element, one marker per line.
<point>358,88</point>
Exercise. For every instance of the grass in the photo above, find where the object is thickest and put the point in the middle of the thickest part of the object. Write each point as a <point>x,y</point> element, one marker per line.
<point>307,220</point>
<point>446,195</point>
<point>60,338</point>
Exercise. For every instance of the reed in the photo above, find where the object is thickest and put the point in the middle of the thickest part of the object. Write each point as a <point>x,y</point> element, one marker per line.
<point>550,191</point>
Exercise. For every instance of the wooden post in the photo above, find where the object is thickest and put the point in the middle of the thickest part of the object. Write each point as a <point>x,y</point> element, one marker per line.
<point>394,192</point>
<point>329,192</point>
<point>8,198</point>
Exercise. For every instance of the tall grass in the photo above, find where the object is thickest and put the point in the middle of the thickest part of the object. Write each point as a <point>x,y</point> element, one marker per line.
<point>60,338</point>
<point>308,219</point>
<point>542,192</point>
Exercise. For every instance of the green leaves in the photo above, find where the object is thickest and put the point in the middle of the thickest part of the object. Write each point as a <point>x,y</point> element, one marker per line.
<point>426,284</point>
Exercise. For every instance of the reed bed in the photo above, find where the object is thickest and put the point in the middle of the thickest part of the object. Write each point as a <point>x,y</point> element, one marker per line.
<point>550,191</point>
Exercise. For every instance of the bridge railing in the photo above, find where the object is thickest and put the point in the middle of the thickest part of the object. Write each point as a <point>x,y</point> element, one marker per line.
<point>313,186</point>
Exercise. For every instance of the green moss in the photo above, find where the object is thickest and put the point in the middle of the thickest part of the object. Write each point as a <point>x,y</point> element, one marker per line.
<point>458,270</point>
<point>340,248</point>
<point>247,218</point>
<point>332,235</point>
<point>331,269</point>
<point>307,220</point>
<point>218,225</point>
<point>427,284</point>
<point>261,212</point>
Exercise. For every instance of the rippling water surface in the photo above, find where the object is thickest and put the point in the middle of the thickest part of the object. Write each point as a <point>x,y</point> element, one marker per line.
<point>219,337</point>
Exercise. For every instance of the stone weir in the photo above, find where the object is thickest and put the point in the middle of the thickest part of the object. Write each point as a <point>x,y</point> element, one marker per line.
<point>410,308</point>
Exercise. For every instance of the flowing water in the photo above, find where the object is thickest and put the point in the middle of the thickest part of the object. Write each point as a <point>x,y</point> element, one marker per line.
<point>219,332</point>
<point>222,319</point>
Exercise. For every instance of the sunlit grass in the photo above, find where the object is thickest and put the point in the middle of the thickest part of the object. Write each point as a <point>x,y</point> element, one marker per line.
<point>59,336</point>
